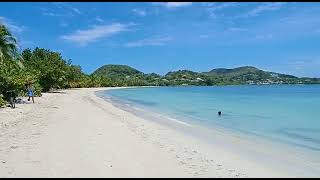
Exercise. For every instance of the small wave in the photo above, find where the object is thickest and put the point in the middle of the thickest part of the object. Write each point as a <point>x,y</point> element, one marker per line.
<point>180,122</point>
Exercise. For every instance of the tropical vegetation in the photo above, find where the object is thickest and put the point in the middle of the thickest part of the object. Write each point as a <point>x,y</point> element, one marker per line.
<point>123,75</point>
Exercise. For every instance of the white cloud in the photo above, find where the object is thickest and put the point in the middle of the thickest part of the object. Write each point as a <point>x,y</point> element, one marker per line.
<point>67,6</point>
<point>173,4</point>
<point>270,6</point>
<point>12,26</point>
<point>158,41</point>
<point>177,4</point>
<point>220,5</point>
<point>139,12</point>
<point>83,37</point>
<point>75,10</point>
<point>213,7</point>
<point>99,19</point>
<point>60,9</point>
<point>51,12</point>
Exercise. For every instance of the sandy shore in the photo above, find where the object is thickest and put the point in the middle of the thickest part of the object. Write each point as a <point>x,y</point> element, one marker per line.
<point>77,134</point>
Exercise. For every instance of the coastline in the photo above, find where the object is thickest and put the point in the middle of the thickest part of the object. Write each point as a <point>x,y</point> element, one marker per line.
<point>78,134</point>
<point>265,152</point>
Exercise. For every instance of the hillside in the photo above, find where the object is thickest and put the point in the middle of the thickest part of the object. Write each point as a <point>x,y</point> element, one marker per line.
<point>117,71</point>
<point>252,75</point>
<point>235,71</point>
<point>127,75</point>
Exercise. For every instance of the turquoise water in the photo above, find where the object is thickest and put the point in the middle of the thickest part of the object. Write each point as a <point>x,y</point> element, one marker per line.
<point>286,113</point>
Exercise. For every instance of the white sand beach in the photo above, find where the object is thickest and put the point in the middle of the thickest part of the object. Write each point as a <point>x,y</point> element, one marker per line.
<point>74,133</point>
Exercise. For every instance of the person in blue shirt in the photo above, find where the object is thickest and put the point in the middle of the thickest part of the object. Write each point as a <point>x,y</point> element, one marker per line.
<point>30,92</point>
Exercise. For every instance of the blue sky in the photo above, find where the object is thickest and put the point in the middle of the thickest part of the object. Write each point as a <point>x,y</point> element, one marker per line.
<point>162,37</point>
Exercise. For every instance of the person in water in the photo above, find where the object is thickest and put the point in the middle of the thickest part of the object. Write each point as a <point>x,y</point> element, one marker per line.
<point>30,92</point>
<point>219,113</point>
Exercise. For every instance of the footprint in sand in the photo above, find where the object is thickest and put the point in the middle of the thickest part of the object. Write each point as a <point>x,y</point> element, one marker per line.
<point>14,147</point>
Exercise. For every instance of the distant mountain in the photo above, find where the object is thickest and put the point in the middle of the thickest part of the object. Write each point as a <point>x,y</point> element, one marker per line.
<point>253,75</point>
<point>127,75</point>
<point>235,71</point>
<point>245,70</point>
<point>117,71</point>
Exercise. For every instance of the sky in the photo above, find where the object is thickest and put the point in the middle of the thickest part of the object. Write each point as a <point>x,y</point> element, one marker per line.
<point>167,36</point>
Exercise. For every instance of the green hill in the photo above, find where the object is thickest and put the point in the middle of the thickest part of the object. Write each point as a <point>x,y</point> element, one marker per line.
<point>234,72</point>
<point>126,75</point>
<point>116,72</point>
<point>249,74</point>
<point>123,75</point>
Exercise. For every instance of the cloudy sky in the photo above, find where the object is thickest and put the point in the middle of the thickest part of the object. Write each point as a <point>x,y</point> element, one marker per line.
<point>162,37</point>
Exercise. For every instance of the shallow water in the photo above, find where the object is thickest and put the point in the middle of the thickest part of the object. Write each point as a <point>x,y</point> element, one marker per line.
<point>285,113</point>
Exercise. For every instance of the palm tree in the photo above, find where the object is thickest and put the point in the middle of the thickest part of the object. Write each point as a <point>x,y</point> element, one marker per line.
<point>10,64</point>
<point>8,45</point>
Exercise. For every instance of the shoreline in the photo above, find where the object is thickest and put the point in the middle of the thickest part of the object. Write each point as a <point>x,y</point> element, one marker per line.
<point>139,110</point>
<point>293,155</point>
<point>75,133</point>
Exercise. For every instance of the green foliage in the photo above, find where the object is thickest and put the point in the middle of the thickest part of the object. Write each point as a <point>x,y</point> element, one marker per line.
<point>2,101</point>
<point>117,72</point>
<point>11,76</point>
<point>126,76</point>
<point>48,67</point>
<point>8,45</point>
<point>120,75</point>
<point>99,81</point>
<point>75,77</point>
<point>43,68</point>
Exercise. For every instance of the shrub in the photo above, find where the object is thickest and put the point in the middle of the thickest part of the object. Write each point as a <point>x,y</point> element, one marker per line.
<point>2,101</point>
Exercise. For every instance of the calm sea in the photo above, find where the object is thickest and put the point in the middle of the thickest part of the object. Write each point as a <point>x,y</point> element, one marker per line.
<point>285,113</point>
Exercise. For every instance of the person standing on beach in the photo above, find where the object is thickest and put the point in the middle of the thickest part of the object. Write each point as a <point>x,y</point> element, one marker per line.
<point>30,92</point>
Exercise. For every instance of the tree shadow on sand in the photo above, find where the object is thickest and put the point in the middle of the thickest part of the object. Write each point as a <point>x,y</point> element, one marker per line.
<point>58,92</point>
